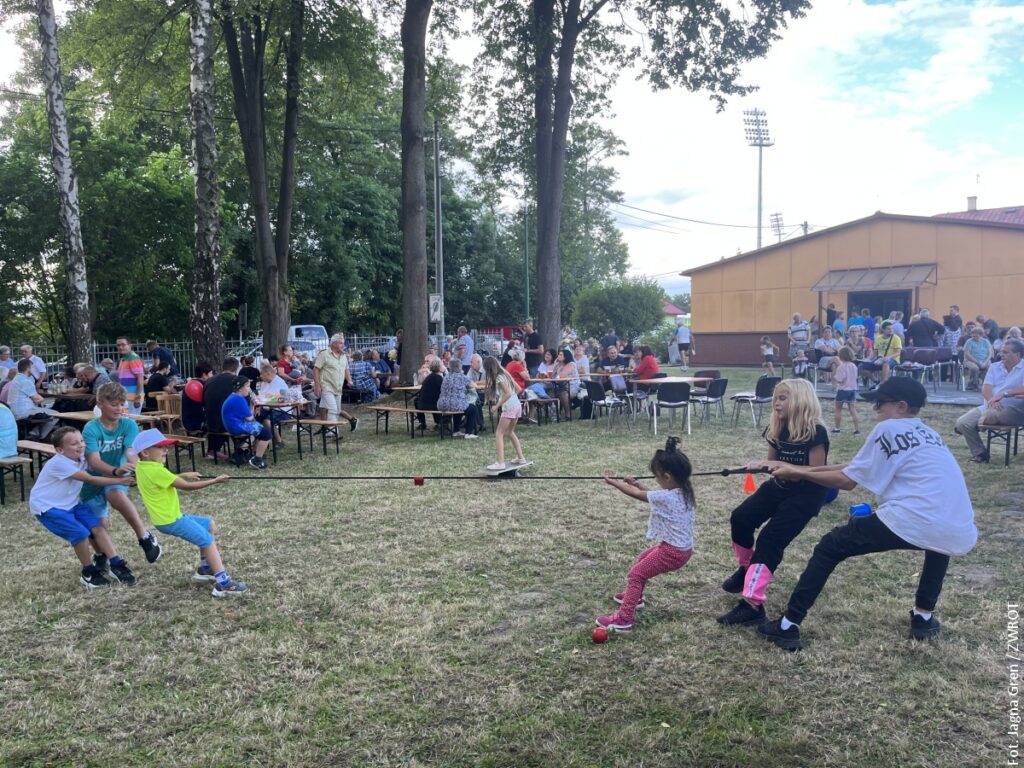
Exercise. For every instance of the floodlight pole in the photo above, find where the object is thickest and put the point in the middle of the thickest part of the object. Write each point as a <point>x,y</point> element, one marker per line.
<point>756,121</point>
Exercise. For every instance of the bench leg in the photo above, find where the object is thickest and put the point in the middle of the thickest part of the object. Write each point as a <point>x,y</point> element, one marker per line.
<point>21,479</point>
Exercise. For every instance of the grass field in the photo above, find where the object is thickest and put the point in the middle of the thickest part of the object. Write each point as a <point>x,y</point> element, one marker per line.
<point>449,624</point>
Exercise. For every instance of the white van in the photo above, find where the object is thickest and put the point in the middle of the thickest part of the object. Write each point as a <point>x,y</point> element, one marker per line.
<point>314,334</point>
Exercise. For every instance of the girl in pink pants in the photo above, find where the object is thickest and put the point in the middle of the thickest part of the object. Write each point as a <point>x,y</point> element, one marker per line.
<point>672,509</point>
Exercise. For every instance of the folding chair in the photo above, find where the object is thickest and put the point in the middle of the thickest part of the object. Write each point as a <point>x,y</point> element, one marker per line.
<point>762,394</point>
<point>714,396</point>
<point>672,396</point>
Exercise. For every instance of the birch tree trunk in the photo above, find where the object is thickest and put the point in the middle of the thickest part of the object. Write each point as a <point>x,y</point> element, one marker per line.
<point>414,186</point>
<point>207,332</point>
<point>79,341</point>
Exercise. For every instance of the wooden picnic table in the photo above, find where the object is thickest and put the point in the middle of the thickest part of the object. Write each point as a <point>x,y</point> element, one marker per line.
<point>675,380</point>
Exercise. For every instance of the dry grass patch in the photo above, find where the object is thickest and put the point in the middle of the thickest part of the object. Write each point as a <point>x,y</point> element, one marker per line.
<point>449,624</point>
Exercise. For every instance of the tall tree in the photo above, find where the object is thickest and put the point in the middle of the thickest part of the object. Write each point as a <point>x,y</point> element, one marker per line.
<point>246,37</point>
<point>207,331</point>
<point>414,184</point>
<point>79,324</point>
<point>698,44</point>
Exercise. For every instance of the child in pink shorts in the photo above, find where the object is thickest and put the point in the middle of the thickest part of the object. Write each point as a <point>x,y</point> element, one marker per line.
<point>502,391</point>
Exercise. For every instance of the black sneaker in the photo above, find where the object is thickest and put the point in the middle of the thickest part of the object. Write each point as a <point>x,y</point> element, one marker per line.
<point>100,562</point>
<point>734,583</point>
<point>743,614</point>
<point>923,630</point>
<point>981,459</point>
<point>352,425</point>
<point>123,574</point>
<point>93,579</point>
<point>151,547</point>
<point>787,639</point>
<point>257,463</point>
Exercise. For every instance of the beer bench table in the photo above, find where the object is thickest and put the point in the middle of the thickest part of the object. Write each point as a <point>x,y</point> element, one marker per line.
<point>385,411</point>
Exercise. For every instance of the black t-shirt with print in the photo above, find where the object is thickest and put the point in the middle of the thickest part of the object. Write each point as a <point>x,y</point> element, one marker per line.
<point>797,454</point>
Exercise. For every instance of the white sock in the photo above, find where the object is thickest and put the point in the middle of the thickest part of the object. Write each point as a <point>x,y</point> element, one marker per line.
<point>923,614</point>
<point>786,624</point>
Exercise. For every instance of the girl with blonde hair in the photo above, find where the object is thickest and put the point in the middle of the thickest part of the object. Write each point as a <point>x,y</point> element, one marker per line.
<point>796,435</point>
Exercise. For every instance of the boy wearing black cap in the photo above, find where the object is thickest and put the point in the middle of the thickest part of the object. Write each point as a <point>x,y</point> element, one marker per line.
<point>922,504</point>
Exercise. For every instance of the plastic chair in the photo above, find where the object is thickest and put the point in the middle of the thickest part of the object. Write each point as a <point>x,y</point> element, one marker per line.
<point>599,399</point>
<point>701,389</point>
<point>762,394</point>
<point>672,396</point>
<point>714,396</point>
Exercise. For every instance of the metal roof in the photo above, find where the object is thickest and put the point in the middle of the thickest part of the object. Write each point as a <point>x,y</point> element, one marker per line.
<point>876,278</point>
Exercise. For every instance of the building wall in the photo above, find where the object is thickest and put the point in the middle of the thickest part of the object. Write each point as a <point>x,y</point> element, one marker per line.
<point>979,268</point>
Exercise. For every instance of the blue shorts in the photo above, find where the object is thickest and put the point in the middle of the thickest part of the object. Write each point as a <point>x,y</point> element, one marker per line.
<point>98,503</point>
<point>73,525</point>
<point>253,428</point>
<point>195,529</point>
<point>846,395</point>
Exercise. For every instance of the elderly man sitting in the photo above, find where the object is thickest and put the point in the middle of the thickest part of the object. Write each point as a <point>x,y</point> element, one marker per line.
<point>977,355</point>
<point>1003,391</point>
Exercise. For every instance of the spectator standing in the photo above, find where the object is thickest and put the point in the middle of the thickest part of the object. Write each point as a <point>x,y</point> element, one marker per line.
<point>330,374</point>
<point>684,342</point>
<point>162,353</point>
<point>466,347</point>
<point>533,347</point>
<point>896,318</point>
<point>830,315</point>
<point>924,332</point>
<point>131,374</point>
<point>250,371</point>
<point>839,324</point>
<point>799,334</point>
<point>1003,391</point>
<point>870,325</point>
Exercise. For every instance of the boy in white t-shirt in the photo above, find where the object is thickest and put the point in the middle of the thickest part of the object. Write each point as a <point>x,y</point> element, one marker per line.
<point>54,502</point>
<point>922,504</point>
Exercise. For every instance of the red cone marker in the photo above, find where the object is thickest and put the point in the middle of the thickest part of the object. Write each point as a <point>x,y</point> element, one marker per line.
<point>748,484</point>
<point>418,480</point>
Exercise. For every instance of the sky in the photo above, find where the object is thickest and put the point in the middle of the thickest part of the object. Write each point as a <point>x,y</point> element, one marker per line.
<point>904,107</point>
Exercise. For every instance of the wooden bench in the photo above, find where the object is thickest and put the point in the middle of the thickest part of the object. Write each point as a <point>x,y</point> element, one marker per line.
<point>40,452</point>
<point>185,443</point>
<point>15,467</point>
<point>1007,434</point>
<point>411,413</point>
<point>328,429</point>
<point>239,441</point>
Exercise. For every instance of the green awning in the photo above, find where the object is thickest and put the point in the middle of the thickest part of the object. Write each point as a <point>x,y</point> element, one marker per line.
<point>877,278</point>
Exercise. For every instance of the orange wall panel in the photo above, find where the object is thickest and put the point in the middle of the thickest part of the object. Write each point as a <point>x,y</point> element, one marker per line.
<point>965,292</point>
<point>878,251</point>
<point>1002,253</point>
<point>736,310</point>
<point>771,310</point>
<point>773,269</point>
<point>740,275</point>
<point>706,312</point>
<point>913,243</point>
<point>958,251</point>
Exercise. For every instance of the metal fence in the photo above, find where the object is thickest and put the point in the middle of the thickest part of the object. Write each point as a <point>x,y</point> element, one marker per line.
<point>56,357</point>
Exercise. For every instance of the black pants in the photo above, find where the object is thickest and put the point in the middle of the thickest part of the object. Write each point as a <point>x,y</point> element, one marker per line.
<point>861,536</point>
<point>787,510</point>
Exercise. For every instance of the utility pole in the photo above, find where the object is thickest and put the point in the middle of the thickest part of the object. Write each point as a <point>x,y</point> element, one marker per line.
<point>756,121</point>
<point>438,248</point>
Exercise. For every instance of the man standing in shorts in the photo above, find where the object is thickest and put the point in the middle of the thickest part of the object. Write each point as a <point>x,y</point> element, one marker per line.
<point>330,374</point>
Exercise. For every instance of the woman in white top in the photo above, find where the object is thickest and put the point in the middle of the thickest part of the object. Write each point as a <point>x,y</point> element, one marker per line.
<point>272,386</point>
<point>579,356</point>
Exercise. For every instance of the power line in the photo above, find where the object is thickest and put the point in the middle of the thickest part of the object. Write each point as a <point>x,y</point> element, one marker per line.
<point>640,218</point>
<point>641,226</point>
<point>683,218</point>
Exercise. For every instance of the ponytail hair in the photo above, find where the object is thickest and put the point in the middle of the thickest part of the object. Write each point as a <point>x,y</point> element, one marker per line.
<point>673,462</point>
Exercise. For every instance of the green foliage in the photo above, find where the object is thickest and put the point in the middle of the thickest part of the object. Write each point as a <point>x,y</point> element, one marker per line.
<point>681,300</point>
<point>632,306</point>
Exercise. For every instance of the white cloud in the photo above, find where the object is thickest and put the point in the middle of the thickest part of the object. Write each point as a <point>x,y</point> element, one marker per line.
<point>854,95</point>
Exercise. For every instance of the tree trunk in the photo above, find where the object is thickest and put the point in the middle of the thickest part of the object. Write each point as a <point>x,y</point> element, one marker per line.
<point>79,339</point>
<point>552,108</point>
<point>414,186</point>
<point>207,332</point>
<point>246,52</point>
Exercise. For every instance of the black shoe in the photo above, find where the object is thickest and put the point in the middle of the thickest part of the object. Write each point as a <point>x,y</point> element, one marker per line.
<point>100,563</point>
<point>923,630</point>
<point>93,579</point>
<point>151,547</point>
<point>743,614</point>
<point>123,574</point>
<point>352,425</point>
<point>981,458</point>
<point>787,639</point>
<point>734,583</point>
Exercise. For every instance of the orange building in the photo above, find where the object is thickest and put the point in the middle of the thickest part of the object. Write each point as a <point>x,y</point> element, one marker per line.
<point>885,262</point>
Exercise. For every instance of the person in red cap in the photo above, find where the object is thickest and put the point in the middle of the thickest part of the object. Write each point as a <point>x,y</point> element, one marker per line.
<point>923,505</point>
<point>159,489</point>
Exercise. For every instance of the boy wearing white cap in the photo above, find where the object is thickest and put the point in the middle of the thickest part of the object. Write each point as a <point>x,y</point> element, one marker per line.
<point>159,488</point>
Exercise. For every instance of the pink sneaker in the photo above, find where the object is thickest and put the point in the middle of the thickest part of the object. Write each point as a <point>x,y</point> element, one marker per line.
<point>614,624</point>
<point>622,596</point>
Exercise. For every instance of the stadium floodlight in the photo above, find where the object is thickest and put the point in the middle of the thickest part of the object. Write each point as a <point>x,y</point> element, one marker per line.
<point>756,122</point>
